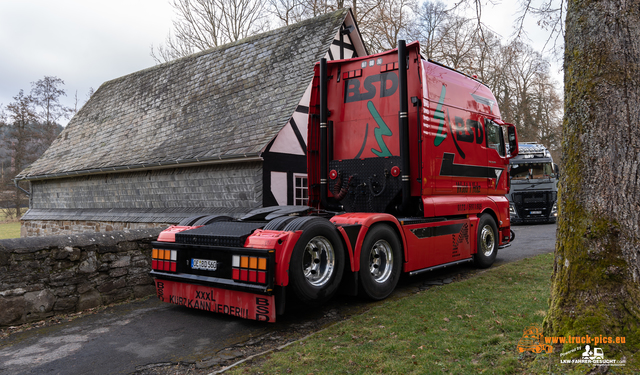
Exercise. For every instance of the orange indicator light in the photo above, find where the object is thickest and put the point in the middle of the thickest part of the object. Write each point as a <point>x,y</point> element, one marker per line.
<point>262,263</point>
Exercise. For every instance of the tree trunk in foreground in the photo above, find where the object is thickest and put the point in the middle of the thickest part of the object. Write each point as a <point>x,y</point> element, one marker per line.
<point>596,277</point>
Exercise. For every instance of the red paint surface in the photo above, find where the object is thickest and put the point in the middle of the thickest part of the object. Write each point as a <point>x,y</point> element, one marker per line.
<point>169,234</point>
<point>447,132</point>
<point>450,103</point>
<point>241,304</point>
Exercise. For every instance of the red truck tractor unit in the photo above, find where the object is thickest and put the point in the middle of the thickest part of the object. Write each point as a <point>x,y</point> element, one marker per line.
<point>407,168</point>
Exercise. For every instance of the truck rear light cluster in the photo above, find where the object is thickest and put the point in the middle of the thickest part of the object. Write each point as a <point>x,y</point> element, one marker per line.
<point>251,269</point>
<point>164,260</point>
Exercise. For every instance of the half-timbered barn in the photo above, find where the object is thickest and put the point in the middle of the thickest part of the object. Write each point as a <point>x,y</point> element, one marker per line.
<point>218,132</point>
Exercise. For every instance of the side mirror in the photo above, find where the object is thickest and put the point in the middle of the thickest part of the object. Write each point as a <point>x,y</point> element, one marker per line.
<point>556,169</point>
<point>512,137</point>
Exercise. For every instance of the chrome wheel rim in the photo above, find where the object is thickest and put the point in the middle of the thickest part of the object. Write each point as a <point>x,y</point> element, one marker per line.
<point>381,261</point>
<point>487,240</point>
<point>318,261</point>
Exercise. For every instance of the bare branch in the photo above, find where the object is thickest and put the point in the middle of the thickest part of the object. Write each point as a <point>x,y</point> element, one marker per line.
<point>204,24</point>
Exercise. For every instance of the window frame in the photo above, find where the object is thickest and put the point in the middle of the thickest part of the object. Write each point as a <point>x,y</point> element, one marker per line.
<point>302,200</point>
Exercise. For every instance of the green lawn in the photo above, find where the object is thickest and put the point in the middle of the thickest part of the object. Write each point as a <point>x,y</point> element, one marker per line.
<point>9,225</point>
<point>10,230</point>
<point>468,327</point>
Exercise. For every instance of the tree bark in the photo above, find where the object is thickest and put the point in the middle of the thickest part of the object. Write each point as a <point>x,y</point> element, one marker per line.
<point>596,277</point>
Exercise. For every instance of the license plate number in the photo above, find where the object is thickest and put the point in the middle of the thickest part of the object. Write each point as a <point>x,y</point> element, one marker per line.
<point>536,212</point>
<point>204,264</point>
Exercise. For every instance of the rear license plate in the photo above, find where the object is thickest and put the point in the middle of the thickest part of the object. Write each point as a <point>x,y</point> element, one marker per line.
<point>204,264</point>
<point>536,212</point>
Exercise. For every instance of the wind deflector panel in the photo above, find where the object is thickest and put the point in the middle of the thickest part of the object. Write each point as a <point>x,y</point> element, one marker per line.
<point>232,234</point>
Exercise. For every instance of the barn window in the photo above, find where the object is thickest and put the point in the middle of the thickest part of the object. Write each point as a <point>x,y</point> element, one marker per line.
<point>300,191</point>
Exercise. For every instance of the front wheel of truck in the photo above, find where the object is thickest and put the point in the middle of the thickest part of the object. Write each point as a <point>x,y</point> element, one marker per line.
<point>317,261</point>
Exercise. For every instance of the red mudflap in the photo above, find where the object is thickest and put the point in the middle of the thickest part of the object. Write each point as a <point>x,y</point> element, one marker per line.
<point>241,304</point>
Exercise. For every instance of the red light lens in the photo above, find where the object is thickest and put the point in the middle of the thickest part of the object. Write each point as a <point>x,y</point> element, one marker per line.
<point>154,264</point>
<point>252,276</point>
<point>262,277</point>
<point>244,275</point>
<point>235,274</point>
<point>173,266</point>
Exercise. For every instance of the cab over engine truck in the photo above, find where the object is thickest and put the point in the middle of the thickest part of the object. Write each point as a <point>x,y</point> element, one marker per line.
<point>534,185</point>
<point>407,169</point>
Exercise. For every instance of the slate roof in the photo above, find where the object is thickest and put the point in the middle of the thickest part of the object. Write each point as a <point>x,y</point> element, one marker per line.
<point>225,102</point>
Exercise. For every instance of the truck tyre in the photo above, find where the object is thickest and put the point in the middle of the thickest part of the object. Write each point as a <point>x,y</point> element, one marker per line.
<point>380,262</point>
<point>317,260</point>
<point>487,242</point>
<point>278,223</point>
<point>211,219</point>
<point>189,221</point>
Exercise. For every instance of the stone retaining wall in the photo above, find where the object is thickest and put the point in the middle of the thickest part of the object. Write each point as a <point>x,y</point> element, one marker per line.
<point>44,276</point>
<point>32,228</point>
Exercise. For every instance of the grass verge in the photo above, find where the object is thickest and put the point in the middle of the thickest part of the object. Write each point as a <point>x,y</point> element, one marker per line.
<point>10,230</point>
<point>469,327</point>
<point>9,224</point>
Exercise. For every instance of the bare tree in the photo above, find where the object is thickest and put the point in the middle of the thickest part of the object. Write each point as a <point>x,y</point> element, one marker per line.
<point>547,106</point>
<point>204,24</point>
<point>428,28</point>
<point>461,40</point>
<point>550,15</point>
<point>90,93</point>
<point>46,93</point>
<point>19,137</point>
<point>525,68</point>
<point>287,11</point>
<point>388,21</point>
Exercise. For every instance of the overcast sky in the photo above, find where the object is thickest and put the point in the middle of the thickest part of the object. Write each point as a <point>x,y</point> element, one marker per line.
<point>88,42</point>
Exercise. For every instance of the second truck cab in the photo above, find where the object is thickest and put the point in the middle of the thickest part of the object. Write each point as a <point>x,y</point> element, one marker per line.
<point>534,185</point>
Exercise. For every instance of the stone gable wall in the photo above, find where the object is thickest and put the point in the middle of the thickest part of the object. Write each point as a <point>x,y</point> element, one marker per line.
<point>44,276</point>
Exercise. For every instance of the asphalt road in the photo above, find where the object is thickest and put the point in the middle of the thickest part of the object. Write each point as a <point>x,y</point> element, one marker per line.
<point>147,336</point>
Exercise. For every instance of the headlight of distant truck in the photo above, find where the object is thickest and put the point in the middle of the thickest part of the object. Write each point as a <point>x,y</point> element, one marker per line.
<point>512,210</point>
<point>554,210</point>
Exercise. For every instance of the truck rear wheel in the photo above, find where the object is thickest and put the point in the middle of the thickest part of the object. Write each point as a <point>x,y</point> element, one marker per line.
<point>189,221</point>
<point>380,262</point>
<point>317,260</point>
<point>211,219</point>
<point>487,242</point>
<point>279,223</point>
